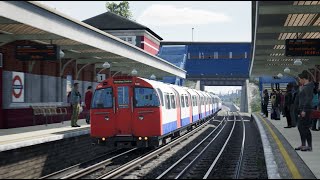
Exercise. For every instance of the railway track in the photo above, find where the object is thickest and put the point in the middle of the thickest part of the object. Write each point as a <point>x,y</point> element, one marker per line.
<point>89,167</point>
<point>138,162</point>
<point>121,162</point>
<point>195,164</point>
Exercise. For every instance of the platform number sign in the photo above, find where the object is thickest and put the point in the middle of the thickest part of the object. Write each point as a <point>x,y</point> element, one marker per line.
<point>101,77</point>
<point>17,87</point>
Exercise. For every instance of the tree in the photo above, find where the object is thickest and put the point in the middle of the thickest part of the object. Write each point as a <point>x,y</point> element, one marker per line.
<point>122,9</point>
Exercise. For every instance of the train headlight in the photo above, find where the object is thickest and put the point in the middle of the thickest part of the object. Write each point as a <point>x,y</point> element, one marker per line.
<point>107,118</point>
<point>141,117</point>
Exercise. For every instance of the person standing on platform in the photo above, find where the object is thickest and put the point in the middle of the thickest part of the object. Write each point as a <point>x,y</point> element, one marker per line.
<point>75,104</point>
<point>273,104</point>
<point>287,105</point>
<point>294,106</point>
<point>88,98</point>
<point>265,102</point>
<point>315,102</point>
<point>305,109</point>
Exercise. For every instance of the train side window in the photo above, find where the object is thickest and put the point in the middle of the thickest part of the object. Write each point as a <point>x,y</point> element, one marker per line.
<point>161,96</point>
<point>182,101</point>
<point>173,102</point>
<point>167,98</point>
<point>187,101</point>
<point>194,100</point>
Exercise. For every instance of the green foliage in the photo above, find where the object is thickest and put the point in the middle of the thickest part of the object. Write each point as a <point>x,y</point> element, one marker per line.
<point>122,9</point>
<point>256,101</point>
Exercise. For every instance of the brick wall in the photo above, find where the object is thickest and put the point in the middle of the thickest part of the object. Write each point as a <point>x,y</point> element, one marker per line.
<point>146,44</point>
<point>42,84</point>
<point>43,159</point>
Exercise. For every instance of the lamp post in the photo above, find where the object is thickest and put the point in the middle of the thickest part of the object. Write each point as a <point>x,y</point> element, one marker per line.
<point>192,34</point>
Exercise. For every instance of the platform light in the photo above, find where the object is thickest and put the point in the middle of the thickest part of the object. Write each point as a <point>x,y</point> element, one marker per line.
<point>286,70</point>
<point>106,65</point>
<point>61,54</point>
<point>134,72</point>
<point>140,138</point>
<point>103,139</point>
<point>297,62</point>
<point>153,77</point>
<point>145,138</point>
<point>280,75</point>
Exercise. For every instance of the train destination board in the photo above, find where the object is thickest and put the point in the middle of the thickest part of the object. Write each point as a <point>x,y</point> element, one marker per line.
<point>37,52</point>
<point>302,47</point>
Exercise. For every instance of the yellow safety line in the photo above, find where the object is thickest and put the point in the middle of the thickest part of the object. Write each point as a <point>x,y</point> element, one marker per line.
<point>292,167</point>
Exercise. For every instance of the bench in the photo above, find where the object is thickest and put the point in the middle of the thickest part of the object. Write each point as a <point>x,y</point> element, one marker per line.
<point>48,111</point>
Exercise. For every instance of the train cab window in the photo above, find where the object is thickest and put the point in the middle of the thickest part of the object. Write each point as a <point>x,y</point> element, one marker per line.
<point>182,101</point>
<point>187,101</point>
<point>167,99</point>
<point>161,96</point>
<point>146,97</point>
<point>173,102</point>
<point>102,98</point>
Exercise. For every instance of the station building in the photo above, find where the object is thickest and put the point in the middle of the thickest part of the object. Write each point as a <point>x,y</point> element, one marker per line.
<point>46,82</point>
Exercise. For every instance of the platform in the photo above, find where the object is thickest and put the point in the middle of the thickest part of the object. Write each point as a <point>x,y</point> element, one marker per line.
<point>33,135</point>
<point>283,160</point>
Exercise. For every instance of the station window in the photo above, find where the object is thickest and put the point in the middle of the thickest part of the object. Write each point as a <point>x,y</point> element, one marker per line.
<point>245,55</point>
<point>146,97</point>
<point>173,102</point>
<point>216,55</point>
<point>130,39</point>
<point>182,101</point>
<point>199,55</point>
<point>188,55</point>
<point>102,98</point>
<point>230,55</point>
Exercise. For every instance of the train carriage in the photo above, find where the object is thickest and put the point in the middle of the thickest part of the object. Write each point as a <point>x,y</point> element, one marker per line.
<point>133,111</point>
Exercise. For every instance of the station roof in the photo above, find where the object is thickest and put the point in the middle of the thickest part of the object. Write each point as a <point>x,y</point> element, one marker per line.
<point>275,21</point>
<point>112,21</point>
<point>21,20</point>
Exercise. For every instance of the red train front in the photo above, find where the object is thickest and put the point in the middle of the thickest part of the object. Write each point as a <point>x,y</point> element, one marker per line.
<point>115,120</point>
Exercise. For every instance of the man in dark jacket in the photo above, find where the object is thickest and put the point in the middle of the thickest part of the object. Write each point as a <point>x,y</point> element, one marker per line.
<point>295,105</point>
<point>265,102</point>
<point>287,105</point>
<point>305,109</point>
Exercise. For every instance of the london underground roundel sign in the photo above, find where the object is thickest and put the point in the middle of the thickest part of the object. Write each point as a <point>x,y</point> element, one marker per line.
<point>17,87</point>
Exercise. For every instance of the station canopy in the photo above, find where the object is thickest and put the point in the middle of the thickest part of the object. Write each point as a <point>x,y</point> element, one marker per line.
<point>275,21</point>
<point>25,20</point>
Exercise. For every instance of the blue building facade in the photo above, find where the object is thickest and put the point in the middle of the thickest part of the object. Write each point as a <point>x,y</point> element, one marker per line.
<point>218,60</point>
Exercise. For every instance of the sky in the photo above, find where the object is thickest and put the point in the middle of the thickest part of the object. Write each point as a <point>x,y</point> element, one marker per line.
<point>223,89</point>
<point>218,21</point>
<point>215,21</point>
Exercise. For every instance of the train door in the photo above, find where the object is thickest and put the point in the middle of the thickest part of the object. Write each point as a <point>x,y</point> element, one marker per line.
<point>123,102</point>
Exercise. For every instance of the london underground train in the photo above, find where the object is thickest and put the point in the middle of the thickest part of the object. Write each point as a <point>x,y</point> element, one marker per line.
<point>131,111</point>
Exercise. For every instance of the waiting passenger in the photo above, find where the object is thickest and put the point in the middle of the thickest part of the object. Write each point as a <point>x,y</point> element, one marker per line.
<point>87,100</point>
<point>287,105</point>
<point>265,103</point>
<point>315,102</point>
<point>295,105</point>
<point>305,109</point>
<point>75,104</point>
